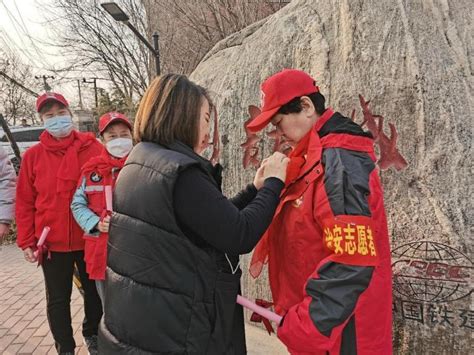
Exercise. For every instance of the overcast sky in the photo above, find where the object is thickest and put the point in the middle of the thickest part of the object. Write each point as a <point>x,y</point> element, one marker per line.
<point>24,31</point>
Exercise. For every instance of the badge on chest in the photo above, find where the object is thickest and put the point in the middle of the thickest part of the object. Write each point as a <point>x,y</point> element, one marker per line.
<point>298,202</point>
<point>95,177</point>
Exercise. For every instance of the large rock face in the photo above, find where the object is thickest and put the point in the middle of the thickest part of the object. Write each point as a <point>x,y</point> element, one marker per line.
<point>413,60</point>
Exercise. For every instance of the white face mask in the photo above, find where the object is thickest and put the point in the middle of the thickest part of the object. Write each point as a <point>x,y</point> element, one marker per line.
<point>119,147</point>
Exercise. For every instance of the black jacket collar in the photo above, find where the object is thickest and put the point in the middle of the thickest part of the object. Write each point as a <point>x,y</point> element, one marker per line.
<point>215,172</point>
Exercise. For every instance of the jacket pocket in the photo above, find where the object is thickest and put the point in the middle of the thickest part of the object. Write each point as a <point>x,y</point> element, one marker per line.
<point>224,335</point>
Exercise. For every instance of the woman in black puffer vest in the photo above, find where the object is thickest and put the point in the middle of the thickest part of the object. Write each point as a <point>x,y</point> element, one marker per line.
<point>173,259</point>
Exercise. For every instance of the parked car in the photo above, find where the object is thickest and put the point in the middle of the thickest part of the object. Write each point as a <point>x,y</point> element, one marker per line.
<point>25,137</point>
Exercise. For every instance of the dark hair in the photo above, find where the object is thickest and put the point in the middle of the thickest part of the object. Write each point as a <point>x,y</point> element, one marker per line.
<point>294,106</point>
<point>169,110</point>
<point>50,103</point>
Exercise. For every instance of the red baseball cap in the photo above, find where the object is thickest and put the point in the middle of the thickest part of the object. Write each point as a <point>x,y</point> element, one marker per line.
<point>112,117</point>
<point>278,90</point>
<point>50,96</point>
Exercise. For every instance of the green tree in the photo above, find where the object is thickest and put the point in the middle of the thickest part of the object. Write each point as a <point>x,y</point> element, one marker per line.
<point>115,101</point>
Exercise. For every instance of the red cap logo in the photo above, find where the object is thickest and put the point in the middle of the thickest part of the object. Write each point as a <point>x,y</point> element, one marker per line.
<point>262,98</point>
<point>111,117</point>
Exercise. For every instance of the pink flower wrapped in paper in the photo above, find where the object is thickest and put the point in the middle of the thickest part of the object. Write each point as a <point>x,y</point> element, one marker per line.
<point>108,197</point>
<point>108,202</point>
<point>41,246</point>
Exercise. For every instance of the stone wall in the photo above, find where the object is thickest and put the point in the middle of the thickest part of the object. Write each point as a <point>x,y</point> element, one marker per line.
<point>414,61</point>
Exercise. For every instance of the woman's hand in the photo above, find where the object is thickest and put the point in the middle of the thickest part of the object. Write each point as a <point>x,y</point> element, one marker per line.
<point>103,226</point>
<point>259,178</point>
<point>275,166</point>
<point>29,255</point>
<point>4,230</point>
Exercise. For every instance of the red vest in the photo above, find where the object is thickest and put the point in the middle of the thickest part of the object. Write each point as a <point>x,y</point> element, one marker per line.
<point>95,250</point>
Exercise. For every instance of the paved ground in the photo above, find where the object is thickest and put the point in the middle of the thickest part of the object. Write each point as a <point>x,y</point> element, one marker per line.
<point>23,325</point>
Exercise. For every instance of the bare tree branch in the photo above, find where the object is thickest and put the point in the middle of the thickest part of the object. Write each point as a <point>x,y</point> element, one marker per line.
<point>189,29</point>
<point>16,103</point>
<point>90,39</point>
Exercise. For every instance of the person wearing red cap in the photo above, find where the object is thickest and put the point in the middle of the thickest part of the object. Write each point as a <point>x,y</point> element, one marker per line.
<point>88,205</point>
<point>46,183</point>
<point>327,248</point>
<point>173,271</point>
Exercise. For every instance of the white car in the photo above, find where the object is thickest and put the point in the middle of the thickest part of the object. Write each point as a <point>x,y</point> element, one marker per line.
<point>25,137</point>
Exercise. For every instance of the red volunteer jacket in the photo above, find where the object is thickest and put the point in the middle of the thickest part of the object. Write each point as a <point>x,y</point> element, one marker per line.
<point>328,248</point>
<point>45,189</point>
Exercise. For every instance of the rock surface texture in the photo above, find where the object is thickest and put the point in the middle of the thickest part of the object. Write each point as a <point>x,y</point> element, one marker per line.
<point>414,61</point>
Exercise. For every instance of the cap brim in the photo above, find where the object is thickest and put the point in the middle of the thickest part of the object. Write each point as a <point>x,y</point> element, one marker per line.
<point>115,120</point>
<point>49,99</point>
<point>260,122</point>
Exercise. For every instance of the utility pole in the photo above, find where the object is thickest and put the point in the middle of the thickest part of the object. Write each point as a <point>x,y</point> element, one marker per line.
<point>156,53</point>
<point>93,81</point>
<point>46,86</point>
<point>80,96</point>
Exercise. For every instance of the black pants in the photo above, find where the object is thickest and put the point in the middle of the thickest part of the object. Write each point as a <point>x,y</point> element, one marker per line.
<point>58,272</point>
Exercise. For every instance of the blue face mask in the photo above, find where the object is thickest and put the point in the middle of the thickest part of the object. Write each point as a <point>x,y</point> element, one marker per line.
<point>59,126</point>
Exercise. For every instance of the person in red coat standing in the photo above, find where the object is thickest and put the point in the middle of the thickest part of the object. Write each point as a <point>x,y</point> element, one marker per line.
<point>89,203</point>
<point>327,248</point>
<point>46,184</point>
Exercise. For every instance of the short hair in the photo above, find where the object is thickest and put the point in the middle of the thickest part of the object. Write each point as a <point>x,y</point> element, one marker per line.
<point>294,106</point>
<point>50,104</point>
<point>169,111</point>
